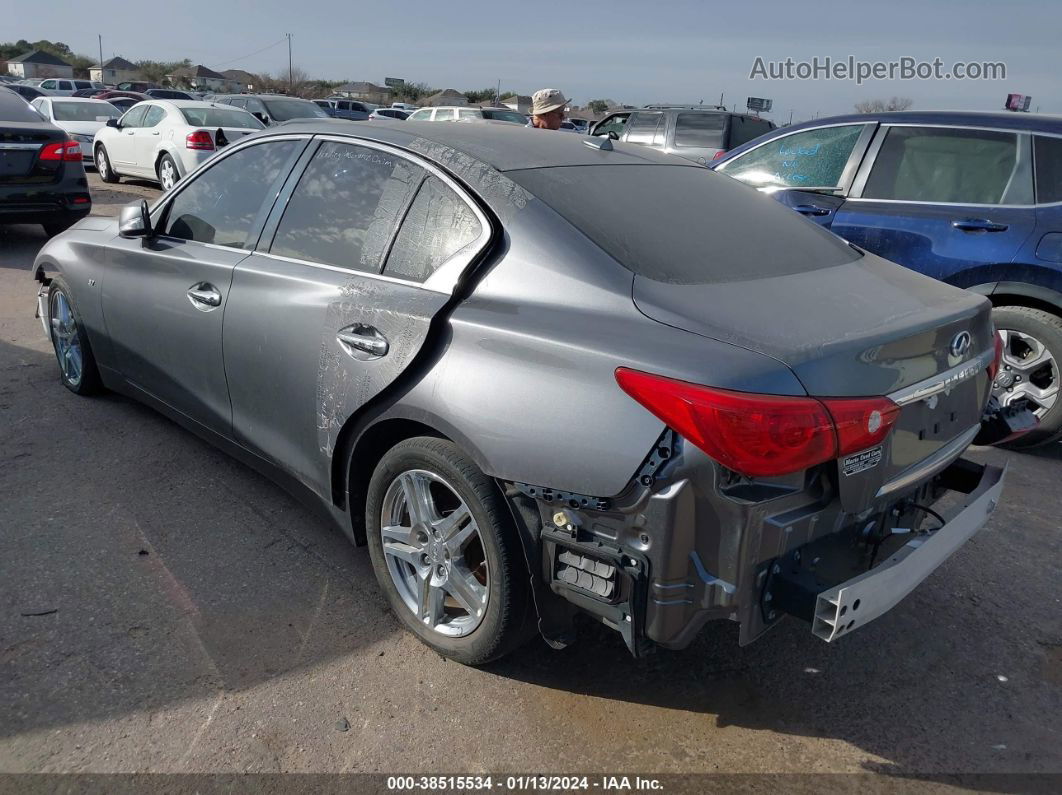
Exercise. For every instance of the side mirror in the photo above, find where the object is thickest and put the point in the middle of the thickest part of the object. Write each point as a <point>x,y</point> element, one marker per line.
<point>134,220</point>
<point>112,123</point>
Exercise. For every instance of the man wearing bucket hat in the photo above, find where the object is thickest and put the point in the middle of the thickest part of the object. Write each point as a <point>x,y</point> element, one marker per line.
<point>547,109</point>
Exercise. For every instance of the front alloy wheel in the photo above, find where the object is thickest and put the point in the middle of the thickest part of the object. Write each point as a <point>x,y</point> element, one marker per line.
<point>434,553</point>
<point>66,339</point>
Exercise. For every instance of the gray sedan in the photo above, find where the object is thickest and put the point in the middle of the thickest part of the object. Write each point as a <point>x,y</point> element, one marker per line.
<point>542,376</point>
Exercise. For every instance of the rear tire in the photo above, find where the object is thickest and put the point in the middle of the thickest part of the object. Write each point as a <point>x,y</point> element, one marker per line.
<point>77,365</point>
<point>103,166</point>
<point>167,173</point>
<point>421,563</point>
<point>1024,329</point>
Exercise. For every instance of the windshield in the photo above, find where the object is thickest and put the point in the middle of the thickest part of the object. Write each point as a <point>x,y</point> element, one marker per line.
<point>505,115</point>
<point>685,224</point>
<point>84,111</point>
<point>220,117</point>
<point>285,109</point>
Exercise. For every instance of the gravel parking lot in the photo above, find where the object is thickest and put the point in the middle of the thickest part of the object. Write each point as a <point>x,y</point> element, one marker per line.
<point>165,609</point>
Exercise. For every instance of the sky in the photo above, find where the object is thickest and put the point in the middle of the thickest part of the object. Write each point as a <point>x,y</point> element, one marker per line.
<point>632,52</point>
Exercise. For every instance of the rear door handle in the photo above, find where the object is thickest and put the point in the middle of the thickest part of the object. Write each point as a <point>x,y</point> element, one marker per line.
<point>978,225</point>
<point>363,342</point>
<point>811,209</point>
<point>204,296</point>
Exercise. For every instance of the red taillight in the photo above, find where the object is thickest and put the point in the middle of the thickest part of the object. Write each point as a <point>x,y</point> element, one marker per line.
<point>61,150</point>
<point>861,422</point>
<point>993,369</point>
<point>762,435</point>
<point>200,139</point>
<point>719,154</point>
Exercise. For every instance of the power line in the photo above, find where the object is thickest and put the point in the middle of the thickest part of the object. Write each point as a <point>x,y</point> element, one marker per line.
<point>248,55</point>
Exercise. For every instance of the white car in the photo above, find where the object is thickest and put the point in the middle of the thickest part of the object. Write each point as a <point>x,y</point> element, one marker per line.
<point>462,113</point>
<point>57,87</point>
<point>165,140</point>
<point>81,118</point>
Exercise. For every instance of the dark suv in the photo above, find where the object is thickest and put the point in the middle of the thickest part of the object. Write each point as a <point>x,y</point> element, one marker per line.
<point>694,132</point>
<point>973,199</point>
<point>42,179</point>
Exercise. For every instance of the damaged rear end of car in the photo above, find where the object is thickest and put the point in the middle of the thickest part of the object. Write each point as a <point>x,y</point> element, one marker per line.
<point>829,500</point>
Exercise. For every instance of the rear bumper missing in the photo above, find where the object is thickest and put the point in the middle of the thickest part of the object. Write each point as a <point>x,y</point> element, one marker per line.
<point>858,601</point>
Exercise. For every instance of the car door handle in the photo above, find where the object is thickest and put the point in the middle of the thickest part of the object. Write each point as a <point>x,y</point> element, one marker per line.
<point>154,132</point>
<point>811,209</point>
<point>978,225</point>
<point>363,341</point>
<point>204,295</point>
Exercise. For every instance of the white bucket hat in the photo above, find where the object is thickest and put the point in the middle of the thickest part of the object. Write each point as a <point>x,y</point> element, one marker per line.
<point>546,100</point>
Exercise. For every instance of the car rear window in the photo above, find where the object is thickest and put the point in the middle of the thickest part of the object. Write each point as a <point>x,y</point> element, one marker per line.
<point>685,224</point>
<point>700,129</point>
<point>83,111</point>
<point>220,117</point>
<point>287,109</point>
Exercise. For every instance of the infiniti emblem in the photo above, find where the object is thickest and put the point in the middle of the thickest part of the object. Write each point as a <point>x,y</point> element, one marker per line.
<point>960,343</point>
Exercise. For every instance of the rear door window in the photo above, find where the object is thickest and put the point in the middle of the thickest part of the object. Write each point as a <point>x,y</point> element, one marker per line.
<point>701,130</point>
<point>421,115</point>
<point>346,207</point>
<point>134,117</point>
<point>438,225</point>
<point>1048,169</point>
<point>154,115</point>
<point>445,114</point>
<point>223,204</point>
<point>643,128</point>
<point>947,165</point>
<point>809,159</point>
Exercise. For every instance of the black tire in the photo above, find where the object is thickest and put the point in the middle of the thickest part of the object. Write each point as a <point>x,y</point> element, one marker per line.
<point>89,382</point>
<point>164,162</point>
<point>1047,328</point>
<point>503,625</point>
<point>104,168</point>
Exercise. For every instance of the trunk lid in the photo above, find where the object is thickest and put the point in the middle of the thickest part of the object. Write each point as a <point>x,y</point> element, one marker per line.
<point>868,327</point>
<point>20,145</point>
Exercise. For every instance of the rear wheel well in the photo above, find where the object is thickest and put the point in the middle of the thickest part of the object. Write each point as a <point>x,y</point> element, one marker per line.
<point>363,457</point>
<point>1013,299</point>
<point>158,160</point>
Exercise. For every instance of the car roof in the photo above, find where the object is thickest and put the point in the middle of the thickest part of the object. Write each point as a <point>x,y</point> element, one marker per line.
<point>959,118</point>
<point>501,145</point>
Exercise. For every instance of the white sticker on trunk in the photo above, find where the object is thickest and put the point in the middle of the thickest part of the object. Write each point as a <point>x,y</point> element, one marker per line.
<point>860,462</point>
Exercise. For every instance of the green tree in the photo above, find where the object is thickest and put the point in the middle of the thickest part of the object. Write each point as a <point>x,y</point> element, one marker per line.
<point>598,105</point>
<point>480,95</point>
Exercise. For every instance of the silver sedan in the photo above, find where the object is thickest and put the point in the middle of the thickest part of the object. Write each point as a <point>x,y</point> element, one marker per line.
<point>542,376</point>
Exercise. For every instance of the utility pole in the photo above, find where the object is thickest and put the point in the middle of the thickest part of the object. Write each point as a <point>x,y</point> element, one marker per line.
<point>497,94</point>
<point>721,99</point>
<point>291,73</point>
<point>100,37</point>
<point>790,116</point>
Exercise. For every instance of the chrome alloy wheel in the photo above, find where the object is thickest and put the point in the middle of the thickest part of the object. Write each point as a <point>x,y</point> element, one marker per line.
<point>167,174</point>
<point>101,163</point>
<point>1028,373</point>
<point>65,337</point>
<point>434,553</point>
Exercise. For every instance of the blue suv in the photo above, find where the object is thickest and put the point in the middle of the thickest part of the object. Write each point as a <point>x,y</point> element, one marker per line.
<point>973,199</point>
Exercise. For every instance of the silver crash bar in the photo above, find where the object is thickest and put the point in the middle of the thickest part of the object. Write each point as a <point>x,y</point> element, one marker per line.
<point>861,599</point>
